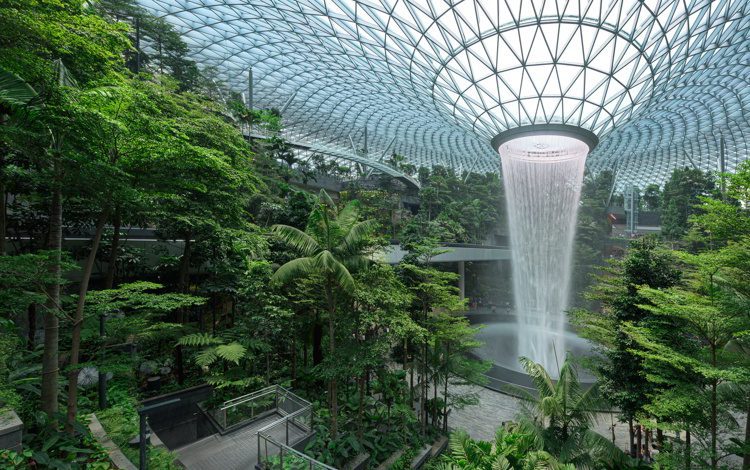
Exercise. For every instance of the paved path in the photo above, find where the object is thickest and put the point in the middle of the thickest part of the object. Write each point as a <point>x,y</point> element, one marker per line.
<point>482,420</point>
<point>234,451</point>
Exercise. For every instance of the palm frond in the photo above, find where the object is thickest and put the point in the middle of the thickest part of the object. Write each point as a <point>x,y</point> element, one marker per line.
<point>349,215</point>
<point>295,268</point>
<point>328,263</point>
<point>603,450</point>
<point>325,199</point>
<point>539,376</point>
<point>501,462</point>
<point>297,239</point>
<point>14,91</point>
<point>355,263</point>
<point>357,235</point>
<point>458,443</point>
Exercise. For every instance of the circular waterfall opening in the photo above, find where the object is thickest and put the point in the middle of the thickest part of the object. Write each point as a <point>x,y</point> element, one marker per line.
<point>542,174</point>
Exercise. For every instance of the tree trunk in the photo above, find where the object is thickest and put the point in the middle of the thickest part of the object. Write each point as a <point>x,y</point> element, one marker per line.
<point>294,360</point>
<point>445,390</point>
<point>639,438</point>
<point>688,450</point>
<point>268,368</point>
<point>406,353</point>
<point>659,439</point>
<point>411,385</point>
<point>424,382</point>
<point>31,315</point>
<point>332,350</point>
<point>304,353</point>
<point>631,437</point>
<point>183,278</point>
<point>714,426</point>
<point>746,457</point>
<point>3,206</point>
<point>180,365</point>
<point>50,356</point>
<point>361,410</point>
<point>109,280</point>
<point>75,348</point>
<point>317,342</point>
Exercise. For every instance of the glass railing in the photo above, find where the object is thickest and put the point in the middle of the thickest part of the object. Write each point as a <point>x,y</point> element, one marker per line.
<point>274,455</point>
<point>237,412</point>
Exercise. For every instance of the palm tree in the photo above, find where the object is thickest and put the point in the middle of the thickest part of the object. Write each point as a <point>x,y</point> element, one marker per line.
<point>16,99</point>
<point>332,245</point>
<point>561,415</point>
<point>512,449</point>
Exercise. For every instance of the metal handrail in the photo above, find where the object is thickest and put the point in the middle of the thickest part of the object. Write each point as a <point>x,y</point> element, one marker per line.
<point>283,447</point>
<point>249,396</point>
<point>286,418</point>
<point>294,396</point>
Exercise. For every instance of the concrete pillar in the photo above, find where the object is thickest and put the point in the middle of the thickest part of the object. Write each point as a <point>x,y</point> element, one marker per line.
<point>11,431</point>
<point>462,279</point>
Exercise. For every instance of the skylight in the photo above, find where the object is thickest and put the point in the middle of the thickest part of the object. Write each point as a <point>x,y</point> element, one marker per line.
<point>661,82</point>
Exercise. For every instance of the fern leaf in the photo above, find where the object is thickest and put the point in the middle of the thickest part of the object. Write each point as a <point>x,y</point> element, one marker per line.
<point>199,339</point>
<point>231,352</point>
<point>206,357</point>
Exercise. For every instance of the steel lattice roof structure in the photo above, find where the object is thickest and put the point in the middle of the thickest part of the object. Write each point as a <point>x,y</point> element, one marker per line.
<point>662,83</point>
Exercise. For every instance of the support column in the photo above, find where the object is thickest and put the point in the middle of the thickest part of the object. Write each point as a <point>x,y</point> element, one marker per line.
<point>250,89</point>
<point>462,279</point>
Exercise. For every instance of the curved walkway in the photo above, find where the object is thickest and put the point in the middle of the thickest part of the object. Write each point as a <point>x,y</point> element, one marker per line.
<point>482,420</point>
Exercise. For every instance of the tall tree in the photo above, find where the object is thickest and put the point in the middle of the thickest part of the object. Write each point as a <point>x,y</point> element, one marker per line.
<point>680,196</point>
<point>706,326</point>
<point>652,197</point>
<point>41,43</point>
<point>622,376</point>
<point>332,245</point>
<point>561,415</point>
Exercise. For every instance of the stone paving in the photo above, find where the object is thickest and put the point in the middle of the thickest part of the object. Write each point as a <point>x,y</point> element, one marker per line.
<point>482,420</point>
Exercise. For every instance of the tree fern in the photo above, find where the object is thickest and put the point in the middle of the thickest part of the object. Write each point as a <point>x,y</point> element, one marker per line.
<point>206,357</point>
<point>199,339</point>
<point>231,352</point>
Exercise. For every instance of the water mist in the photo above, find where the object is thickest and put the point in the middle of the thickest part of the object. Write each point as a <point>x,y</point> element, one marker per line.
<point>542,176</point>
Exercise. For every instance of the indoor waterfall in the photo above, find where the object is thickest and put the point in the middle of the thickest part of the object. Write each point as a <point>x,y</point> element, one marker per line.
<point>542,176</point>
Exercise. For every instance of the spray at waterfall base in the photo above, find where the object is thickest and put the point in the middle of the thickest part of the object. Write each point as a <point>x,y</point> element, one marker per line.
<point>542,170</point>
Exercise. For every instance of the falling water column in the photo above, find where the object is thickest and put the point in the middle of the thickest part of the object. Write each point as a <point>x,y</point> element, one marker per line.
<point>542,176</point>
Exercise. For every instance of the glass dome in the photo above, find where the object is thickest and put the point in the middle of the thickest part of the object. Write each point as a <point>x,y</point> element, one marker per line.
<point>662,83</point>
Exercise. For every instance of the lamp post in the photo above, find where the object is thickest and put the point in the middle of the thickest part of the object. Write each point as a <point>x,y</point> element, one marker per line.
<point>102,374</point>
<point>143,431</point>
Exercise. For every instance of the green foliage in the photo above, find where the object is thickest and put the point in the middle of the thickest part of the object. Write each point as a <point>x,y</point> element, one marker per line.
<point>37,32</point>
<point>513,449</point>
<point>621,374</point>
<point>9,343</point>
<point>561,414</point>
<point>221,361</point>
<point>121,422</point>
<point>456,208</point>
<point>24,278</point>
<point>680,196</point>
<point>14,91</point>
<point>652,197</point>
<point>331,245</point>
<point>718,221</point>
<point>592,231</point>
<point>688,347</point>
<point>51,448</point>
